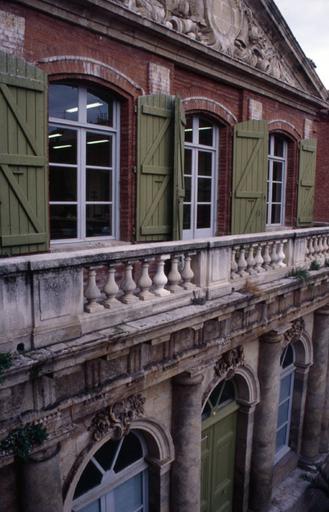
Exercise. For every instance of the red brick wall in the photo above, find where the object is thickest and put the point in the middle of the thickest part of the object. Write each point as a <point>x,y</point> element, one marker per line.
<point>125,71</point>
<point>321,211</point>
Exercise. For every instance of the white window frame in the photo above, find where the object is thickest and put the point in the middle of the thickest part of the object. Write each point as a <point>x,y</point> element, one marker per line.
<point>284,160</point>
<point>194,232</point>
<point>82,127</point>
<point>285,372</point>
<point>105,491</point>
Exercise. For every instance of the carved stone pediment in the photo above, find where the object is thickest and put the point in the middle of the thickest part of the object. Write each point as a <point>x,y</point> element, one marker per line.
<point>117,418</point>
<point>228,26</point>
<point>229,362</point>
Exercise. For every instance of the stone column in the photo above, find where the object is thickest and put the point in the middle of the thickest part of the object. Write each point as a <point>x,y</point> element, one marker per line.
<point>265,421</point>
<point>186,424</point>
<point>316,392</point>
<point>324,443</point>
<point>298,406</point>
<point>245,429</point>
<point>40,482</point>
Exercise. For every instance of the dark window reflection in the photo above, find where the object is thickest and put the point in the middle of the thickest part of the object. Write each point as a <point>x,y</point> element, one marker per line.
<point>205,163</point>
<point>205,132</point>
<point>106,453</point>
<point>203,216</point>
<point>130,452</point>
<point>276,213</point>
<point>99,108</point>
<point>63,183</point>
<point>189,129</point>
<point>63,221</point>
<point>99,149</point>
<point>187,181</point>
<point>63,101</point>
<point>98,220</point>
<point>99,185</point>
<point>187,217</point>
<point>62,145</point>
<point>90,477</point>
<point>188,161</point>
<point>204,190</point>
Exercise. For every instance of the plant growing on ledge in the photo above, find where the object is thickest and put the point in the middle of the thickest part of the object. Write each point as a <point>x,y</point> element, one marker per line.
<point>300,273</point>
<point>21,441</point>
<point>315,265</point>
<point>6,360</point>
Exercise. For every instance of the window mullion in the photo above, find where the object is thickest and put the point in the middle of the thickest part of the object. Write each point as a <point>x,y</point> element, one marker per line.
<point>82,184</point>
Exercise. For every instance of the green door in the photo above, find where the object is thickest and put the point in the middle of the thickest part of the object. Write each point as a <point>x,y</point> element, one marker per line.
<point>218,457</point>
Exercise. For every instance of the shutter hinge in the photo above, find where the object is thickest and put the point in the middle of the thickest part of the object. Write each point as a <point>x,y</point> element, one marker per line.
<point>134,169</point>
<point>135,109</point>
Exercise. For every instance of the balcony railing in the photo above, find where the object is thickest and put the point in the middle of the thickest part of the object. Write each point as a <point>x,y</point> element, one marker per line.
<point>50,298</point>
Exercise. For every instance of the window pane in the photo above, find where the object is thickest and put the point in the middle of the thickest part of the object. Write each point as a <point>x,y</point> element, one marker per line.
<point>99,108</point>
<point>279,144</point>
<point>129,496</point>
<point>63,221</point>
<point>189,130</point>
<point>93,507</point>
<point>63,101</point>
<point>205,132</point>
<point>187,182</point>
<point>288,357</point>
<point>98,220</point>
<point>276,192</point>
<point>228,392</point>
<point>188,161</point>
<point>281,438</point>
<point>277,171</point>
<point>99,149</point>
<point>131,450</point>
<point>90,478</point>
<point>206,412</point>
<point>203,216</point>
<point>204,190</point>
<point>106,453</point>
<point>283,413</point>
<point>205,161</point>
<point>276,213</point>
<point>187,217</point>
<point>63,183</point>
<point>215,395</point>
<point>99,185</point>
<point>62,145</point>
<point>285,387</point>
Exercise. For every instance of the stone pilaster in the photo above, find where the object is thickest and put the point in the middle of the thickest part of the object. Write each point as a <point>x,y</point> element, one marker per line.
<point>40,482</point>
<point>186,469</point>
<point>265,421</point>
<point>316,393</point>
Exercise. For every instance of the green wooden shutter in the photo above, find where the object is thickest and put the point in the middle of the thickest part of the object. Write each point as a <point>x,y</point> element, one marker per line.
<point>23,170</point>
<point>306,182</point>
<point>250,169</point>
<point>179,189</point>
<point>155,163</point>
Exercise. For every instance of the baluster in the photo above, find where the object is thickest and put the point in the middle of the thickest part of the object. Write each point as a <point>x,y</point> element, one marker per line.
<point>274,256</point>
<point>316,249</point>
<point>129,285</point>
<point>267,256</point>
<point>259,259</point>
<point>311,249</point>
<point>145,282</point>
<point>242,264</point>
<point>321,250</point>
<point>92,293</point>
<point>187,274</point>
<point>234,265</point>
<point>326,249</point>
<point>111,289</point>
<point>281,255</point>
<point>307,253</point>
<point>160,279</point>
<point>251,261</point>
<point>174,277</point>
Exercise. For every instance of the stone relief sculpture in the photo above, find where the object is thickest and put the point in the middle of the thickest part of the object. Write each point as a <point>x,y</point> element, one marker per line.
<point>228,26</point>
<point>229,362</point>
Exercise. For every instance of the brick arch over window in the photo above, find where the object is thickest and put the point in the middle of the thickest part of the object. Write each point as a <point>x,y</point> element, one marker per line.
<point>286,128</point>
<point>82,69</point>
<point>226,121</point>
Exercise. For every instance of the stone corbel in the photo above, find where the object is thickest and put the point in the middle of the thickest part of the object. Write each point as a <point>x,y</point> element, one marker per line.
<point>229,362</point>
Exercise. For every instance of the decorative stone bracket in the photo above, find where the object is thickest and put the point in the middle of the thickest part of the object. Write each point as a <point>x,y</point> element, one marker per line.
<point>117,418</point>
<point>295,332</point>
<point>229,362</point>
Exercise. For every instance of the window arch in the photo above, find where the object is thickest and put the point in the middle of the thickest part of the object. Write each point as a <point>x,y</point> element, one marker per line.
<point>285,401</point>
<point>200,177</point>
<point>115,478</point>
<point>84,124</point>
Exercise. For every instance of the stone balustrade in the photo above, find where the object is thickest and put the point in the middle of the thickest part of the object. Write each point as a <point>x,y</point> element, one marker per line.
<point>49,298</point>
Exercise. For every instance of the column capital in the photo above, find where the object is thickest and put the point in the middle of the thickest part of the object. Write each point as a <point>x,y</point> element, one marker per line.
<point>272,337</point>
<point>188,379</point>
<point>322,311</point>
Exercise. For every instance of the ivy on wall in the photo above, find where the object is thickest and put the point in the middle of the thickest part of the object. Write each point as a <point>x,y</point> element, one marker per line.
<point>21,441</point>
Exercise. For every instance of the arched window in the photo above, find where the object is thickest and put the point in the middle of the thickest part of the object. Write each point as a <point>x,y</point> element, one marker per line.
<point>115,479</point>
<point>276,180</point>
<point>201,158</point>
<point>83,162</point>
<point>222,395</point>
<point>285,401</point>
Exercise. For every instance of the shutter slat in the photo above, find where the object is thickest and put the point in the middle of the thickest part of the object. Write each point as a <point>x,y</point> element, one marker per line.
<point>306,182</point>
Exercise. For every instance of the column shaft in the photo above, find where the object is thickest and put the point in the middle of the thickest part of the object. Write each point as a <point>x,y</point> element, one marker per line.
<point>316,392</point>
<point>265,421</point>
<point>186,469</point>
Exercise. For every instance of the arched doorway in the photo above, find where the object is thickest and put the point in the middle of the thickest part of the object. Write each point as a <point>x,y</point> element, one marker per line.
<point>115,478</point>
<point>218,444</point>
